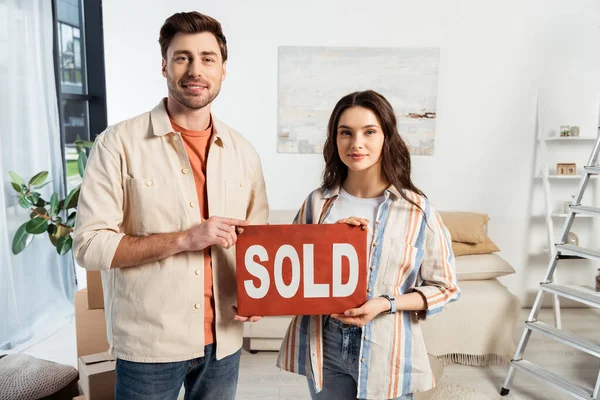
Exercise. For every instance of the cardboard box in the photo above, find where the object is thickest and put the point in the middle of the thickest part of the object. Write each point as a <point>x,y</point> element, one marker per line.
<point>90,327</point>
<point>95,295</point>
<point>97,376</point>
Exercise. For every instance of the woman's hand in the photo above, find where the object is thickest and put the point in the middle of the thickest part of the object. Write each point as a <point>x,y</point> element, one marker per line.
<point>364,314</point>
<point>355,221</point>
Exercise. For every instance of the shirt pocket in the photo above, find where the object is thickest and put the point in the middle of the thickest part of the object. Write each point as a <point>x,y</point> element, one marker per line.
<point>402,264</point>
<point>237,198</point>
<point>151,205</point>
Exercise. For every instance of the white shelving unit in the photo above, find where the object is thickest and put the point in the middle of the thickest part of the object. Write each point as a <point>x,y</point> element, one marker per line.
<point>570,139</point>
<point>548,179</point>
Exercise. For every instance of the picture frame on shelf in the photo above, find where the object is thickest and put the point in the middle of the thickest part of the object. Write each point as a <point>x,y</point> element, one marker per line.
<point>566,169</point>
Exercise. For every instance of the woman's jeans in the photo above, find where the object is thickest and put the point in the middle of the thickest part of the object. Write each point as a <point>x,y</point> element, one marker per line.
<point>341,352</point>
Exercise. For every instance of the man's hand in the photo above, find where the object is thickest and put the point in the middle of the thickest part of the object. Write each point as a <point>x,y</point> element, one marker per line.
<point>354,221</point>
<point>244,319</point>
<point>215,231</point>
<point>362,315</point>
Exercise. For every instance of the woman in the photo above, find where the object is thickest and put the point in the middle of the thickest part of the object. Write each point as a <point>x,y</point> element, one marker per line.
<point>375,351</point>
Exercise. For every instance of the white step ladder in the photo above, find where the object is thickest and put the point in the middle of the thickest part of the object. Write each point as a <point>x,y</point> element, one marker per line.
<point>576,293</point>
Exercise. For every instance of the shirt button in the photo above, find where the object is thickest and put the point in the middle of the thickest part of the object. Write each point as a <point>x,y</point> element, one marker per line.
<point>371,267</point>
<point>374,244</point>
<point>377,222</point>
<point>369,290</point>
<point>366,337</point>
<point>192,204</point>
<point>197,306</point>
<point>149,183</point>
<point>198,271</point>
<point>241,183</point>
<point>185,171</point>
<point>175,137</point>
<point>363,359</point>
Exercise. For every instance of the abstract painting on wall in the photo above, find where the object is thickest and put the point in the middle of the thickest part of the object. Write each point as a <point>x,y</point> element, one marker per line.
<point>313,79</point>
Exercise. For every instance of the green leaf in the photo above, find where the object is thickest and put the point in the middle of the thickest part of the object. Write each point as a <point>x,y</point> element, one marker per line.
<point>21,239</point>
<point>41,186</point>
<point>71,219</point>
<point>62,230</point>
<point>16,178</point>
<point>24,202</point>
<point>35,198</point>
<point>81,163</point>
<point>37,225</point>
<point>52,233</point>
<point>17,187</point>
<point>41,203</point>
<point>39,178</point>
<point>64,244</point>
<point>54,204</point>
<point>38,212</point>
<point>72,199</point>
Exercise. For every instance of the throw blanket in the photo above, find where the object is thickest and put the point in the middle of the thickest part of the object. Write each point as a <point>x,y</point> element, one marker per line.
<point>476,330</point>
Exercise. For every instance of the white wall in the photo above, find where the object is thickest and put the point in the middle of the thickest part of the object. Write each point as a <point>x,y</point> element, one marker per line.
<point>494,57</point>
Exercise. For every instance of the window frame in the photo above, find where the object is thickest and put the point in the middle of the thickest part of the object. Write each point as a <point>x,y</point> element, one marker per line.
<point>93,69</point>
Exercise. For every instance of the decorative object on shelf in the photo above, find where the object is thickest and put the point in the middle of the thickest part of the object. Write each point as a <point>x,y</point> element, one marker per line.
<point>566,168</point>
<point>567,204</point>
<point>574,131</point>
<point>598,281</point>
<point>564,131</point>
<point>572,239</point>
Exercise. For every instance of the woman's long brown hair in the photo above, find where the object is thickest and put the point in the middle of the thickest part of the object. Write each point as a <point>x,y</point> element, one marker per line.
<point>395,157</point>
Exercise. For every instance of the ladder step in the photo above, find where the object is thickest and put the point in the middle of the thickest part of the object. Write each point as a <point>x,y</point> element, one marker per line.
<point>578,391</point>
<point>593,170</point>
<point>565,337</point>
<point>585,210</point>
<point>577,293</point>
<point>590,254</point>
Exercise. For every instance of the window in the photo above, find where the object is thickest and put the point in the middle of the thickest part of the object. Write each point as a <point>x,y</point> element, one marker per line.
<point>80,76</point>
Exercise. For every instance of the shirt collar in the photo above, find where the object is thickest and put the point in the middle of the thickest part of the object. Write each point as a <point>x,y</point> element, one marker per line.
<point>161,124</point>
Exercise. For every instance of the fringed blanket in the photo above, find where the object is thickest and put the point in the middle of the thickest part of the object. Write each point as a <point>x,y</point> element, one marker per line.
<point>476,330</point>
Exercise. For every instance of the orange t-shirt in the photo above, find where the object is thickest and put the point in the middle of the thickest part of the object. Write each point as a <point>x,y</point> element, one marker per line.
<point>196,145</point>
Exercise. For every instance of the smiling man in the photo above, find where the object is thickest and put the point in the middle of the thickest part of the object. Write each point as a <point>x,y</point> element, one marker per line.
<point>161,199</point>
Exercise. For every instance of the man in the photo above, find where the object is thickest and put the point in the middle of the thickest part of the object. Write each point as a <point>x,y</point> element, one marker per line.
<point>161,199</point>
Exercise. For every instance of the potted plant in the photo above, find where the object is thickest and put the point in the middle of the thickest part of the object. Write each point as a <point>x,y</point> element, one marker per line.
<point>56,217</point>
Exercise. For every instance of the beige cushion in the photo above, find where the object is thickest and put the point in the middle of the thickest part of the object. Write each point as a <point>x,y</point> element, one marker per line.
<point>466,227</point>
<point>481,266</point>
<point>463,249</point>
<point>24,377</point>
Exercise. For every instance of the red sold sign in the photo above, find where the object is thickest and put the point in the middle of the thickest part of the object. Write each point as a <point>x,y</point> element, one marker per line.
<point>301,269</point>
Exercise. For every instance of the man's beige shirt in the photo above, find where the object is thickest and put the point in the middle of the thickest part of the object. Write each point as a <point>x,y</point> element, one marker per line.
<point>138,182</point>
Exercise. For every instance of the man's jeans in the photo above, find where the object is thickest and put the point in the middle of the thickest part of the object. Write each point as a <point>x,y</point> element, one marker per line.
<point>204,378</point>
<point>341,350</point>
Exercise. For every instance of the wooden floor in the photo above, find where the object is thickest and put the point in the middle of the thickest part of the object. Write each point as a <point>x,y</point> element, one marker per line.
<point>261,379</point>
